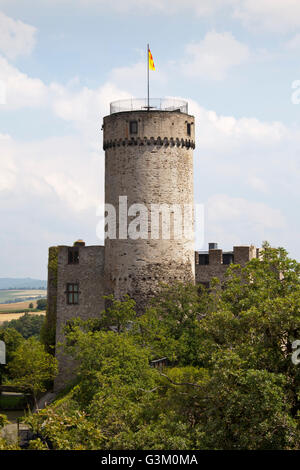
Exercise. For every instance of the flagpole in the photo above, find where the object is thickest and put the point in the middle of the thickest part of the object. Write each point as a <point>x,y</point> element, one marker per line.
<point>148,87</point>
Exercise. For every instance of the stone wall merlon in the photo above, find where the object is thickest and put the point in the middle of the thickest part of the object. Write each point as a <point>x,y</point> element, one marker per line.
<point>215,257</point>
<point>243,254</point>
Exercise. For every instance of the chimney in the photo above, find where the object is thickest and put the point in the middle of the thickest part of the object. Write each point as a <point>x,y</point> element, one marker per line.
<point>79,243</point>
<point>212,246</point>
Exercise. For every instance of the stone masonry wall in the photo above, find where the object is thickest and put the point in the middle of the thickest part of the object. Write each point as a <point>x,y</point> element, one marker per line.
<point>88,273</point>
<point>216,268</point>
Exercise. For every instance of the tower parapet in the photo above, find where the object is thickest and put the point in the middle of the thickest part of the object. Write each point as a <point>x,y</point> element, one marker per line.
<point>139,104</point>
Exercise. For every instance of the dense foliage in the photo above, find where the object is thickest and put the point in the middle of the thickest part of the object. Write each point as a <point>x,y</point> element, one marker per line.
<point>229,384</point>
<point>28,364</point>
<point>28,325</point>
<point>31,367</point>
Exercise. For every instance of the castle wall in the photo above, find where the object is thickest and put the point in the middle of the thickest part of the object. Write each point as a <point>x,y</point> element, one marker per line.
<point>154,166</point>
<point>216,268</point>
<point>89,274</point>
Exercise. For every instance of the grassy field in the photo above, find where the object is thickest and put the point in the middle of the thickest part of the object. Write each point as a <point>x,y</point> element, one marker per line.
<point>22,295</point>
<point>15,316</point>
<point>17,306</point>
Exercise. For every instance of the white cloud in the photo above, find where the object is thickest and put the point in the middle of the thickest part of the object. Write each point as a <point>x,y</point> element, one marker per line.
<point>221,133</point>
<point>247,173</point>
<point>238,221</point>
<point>85,108</point>
<point>49,192</point>
<point>82,106</point>
<point>16,37</point>
<point>214,56</point>
<point>258,184</point>
<point>69,170</point>
<point>294,43</point>
<point>256,216</point>
<point>21,90</point>
<point>134,78</point>
<point>146,7</point>
<point>66,170</point>
<point>8,168</point>
<point>272,15</point>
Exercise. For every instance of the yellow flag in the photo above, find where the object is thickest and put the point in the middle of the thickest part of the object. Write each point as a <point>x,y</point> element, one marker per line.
<point>151,61</point>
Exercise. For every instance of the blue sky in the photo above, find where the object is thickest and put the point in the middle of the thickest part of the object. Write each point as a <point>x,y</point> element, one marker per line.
<point>62,62</point>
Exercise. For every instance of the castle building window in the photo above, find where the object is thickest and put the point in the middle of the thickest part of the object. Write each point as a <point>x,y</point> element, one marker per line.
<point>227,258</point>
<point>133,127</point>
<point>73,255</point>
<point>188,128</point>
<point>72,294</point>
<point>203,258</point>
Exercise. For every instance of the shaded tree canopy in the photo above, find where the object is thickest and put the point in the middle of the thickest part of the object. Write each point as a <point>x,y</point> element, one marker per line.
<point>28,325</point>
<point>229,384</point>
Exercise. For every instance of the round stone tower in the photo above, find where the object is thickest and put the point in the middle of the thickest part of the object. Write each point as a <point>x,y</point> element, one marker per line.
<point>149,233</point>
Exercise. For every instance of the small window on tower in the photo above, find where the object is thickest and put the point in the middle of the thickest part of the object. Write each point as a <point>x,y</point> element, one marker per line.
<point>72,294</point>
<point>133,127</point>
<point>188,128</point>
<point>203,259</point>
<point>73,255</point>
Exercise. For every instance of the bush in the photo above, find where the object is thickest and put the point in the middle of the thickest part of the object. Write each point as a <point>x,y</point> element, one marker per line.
<point>41,304</point>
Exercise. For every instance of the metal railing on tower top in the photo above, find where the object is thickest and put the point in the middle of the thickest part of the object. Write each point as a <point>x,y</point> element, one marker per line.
<point>141,104</point>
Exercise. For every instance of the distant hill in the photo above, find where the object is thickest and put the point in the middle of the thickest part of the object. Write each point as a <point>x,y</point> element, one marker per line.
<point>22,283</point>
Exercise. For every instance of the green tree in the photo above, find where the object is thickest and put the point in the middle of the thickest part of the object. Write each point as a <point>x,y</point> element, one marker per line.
<point>12,339</point>
<point>170,327</point>
<point>41,304</point>
<point>113,375</point>
<point>28,325</point>
<point>118,314</point>
<point>230,383</point>
<point>109,357</point>
<point>32,367</point>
